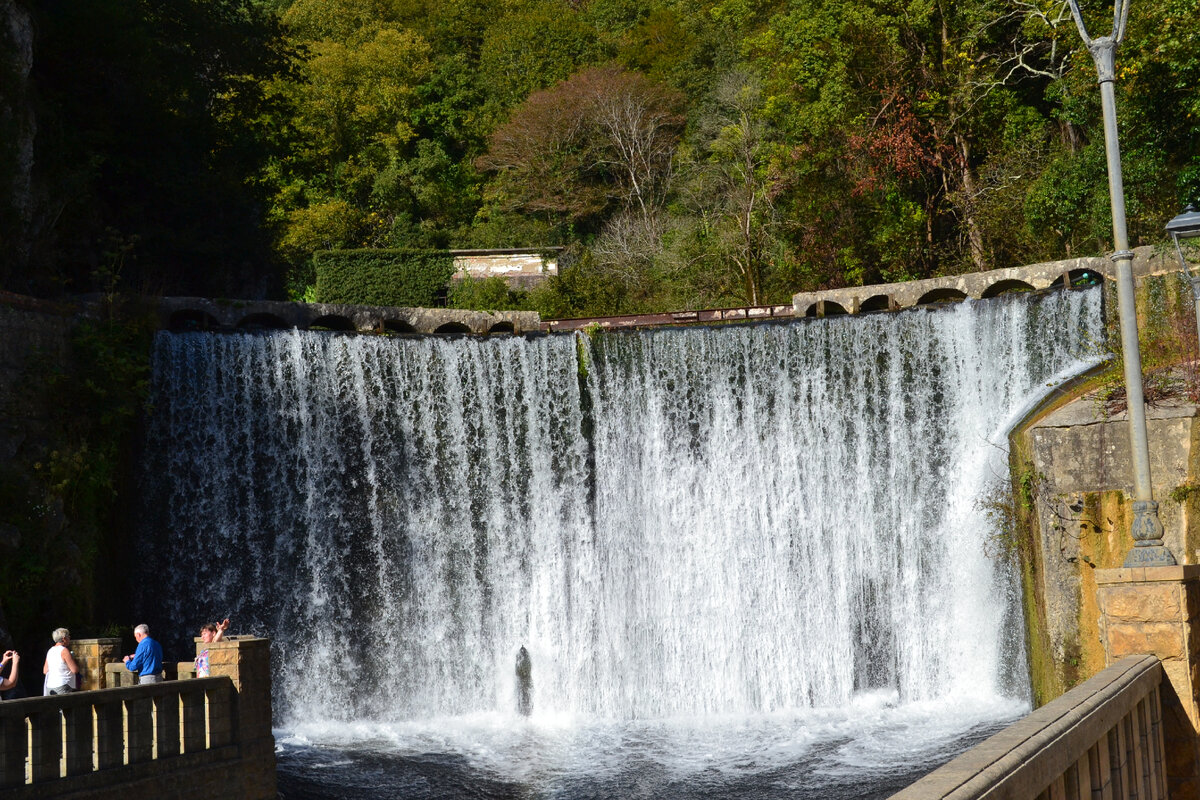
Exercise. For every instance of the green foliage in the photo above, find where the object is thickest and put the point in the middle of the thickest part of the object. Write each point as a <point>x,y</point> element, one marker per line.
<point>407,278</point>
<point>1185,492</point>
<point>885,141</point>
<point>534,49</point>
<point>581,288</point>
<point>486,294</point>
<point>61,494</point>
<point>153,121</point>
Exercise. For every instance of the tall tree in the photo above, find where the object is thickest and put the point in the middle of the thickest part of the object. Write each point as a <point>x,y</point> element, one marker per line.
<point>150,132</point>
<point>732,189</point>
<point>603,136</point>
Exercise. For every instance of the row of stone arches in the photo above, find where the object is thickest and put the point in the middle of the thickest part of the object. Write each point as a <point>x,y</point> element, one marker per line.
<point>949,294</point>
<point>197,320</point>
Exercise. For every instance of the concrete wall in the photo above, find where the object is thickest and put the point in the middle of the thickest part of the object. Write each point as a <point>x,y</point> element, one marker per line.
<point>524,267</point>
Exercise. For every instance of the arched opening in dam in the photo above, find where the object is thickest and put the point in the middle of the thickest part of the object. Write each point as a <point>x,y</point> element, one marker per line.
<point>740,561</point>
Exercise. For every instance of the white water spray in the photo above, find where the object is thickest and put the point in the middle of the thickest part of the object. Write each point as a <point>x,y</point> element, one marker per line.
<point>693,522</point>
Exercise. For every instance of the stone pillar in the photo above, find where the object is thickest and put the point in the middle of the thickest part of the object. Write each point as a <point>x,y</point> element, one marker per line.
<point>247,661</point>
<point>92,655</point>
<point>1156,610</point>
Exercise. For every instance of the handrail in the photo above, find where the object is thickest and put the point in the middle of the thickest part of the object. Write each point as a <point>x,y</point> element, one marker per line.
<point>43,739</point>
<point>1103,735</point>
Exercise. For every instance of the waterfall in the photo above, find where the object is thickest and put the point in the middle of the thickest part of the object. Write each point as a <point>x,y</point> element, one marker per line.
<point>678,522</point>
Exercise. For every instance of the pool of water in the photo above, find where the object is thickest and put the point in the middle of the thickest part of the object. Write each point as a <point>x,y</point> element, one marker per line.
<point>870,748</point>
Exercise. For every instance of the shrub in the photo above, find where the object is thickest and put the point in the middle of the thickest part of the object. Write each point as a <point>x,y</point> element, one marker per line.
<point>408,278</point>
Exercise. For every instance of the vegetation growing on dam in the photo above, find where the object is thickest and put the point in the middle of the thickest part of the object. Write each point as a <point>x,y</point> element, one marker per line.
<point>686,154</point>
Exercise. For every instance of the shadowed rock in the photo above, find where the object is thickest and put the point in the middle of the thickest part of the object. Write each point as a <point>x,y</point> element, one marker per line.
<point>524,683</point>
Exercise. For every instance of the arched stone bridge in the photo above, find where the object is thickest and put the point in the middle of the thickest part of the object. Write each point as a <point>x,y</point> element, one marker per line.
<point>195,313</point>
<point>977,285</point>
<point>198,313</point>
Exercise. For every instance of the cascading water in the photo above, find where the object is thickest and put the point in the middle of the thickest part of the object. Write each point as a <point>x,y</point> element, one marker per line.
<point>698,524</point>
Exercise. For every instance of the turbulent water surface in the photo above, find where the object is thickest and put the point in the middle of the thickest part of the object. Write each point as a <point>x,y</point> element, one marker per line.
<point>743,561</point>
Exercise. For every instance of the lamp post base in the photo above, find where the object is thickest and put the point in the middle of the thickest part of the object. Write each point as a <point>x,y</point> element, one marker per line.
<point>1148,548</point>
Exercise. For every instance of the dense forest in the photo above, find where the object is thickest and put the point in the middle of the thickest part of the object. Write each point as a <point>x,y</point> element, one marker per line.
<point>686,154</point>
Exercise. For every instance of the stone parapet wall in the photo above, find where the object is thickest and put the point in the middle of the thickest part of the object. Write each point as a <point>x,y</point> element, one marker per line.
<point>1156,611</point>
<point>1075,465</point>
<point>207,737</point>
<point>1102,740</point>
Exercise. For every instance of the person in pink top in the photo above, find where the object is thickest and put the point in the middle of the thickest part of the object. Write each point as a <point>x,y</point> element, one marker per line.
<point>210,632</point>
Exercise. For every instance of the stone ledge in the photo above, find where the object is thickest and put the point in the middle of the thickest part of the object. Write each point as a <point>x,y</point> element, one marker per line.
<point>1179,573</point>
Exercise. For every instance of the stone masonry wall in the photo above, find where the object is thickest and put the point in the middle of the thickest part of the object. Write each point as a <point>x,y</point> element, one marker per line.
<point>1080,474</point>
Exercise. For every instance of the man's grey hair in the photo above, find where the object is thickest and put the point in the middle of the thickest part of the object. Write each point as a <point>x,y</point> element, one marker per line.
<point>59,635</point>
<point>143,629</point>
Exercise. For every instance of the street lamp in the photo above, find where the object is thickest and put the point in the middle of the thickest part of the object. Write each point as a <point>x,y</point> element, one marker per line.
<point>1187,226</point>
<point>1147,530</point>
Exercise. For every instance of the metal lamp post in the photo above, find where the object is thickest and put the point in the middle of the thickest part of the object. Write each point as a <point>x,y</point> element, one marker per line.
<point>1187,226</point>
<point>1147,529</point>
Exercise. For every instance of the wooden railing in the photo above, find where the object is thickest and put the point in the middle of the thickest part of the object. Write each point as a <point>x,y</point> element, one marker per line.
<point>45,739</point>
<point>1102,740</point>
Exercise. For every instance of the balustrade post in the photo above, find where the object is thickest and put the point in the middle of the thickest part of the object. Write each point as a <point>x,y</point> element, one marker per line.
<point>78,738</point>
<point>117,676</point>
<point>193,720</point>
<point>110,733</point>
<point>247,661</point>
<point>14,744</point>
<point>1156,610</point>
<point>46,745</point>
<point>166,725</point>
<point>221,709</point>
<point>139,725</point>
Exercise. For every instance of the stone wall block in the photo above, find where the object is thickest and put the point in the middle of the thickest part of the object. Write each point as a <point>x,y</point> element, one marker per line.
<point>1142,603</point>
<point>1162,639</point>
<point>223,656</point>
<point>92,655</point>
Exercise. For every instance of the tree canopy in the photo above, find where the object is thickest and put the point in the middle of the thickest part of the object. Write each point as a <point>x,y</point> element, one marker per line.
<point>687,154</point>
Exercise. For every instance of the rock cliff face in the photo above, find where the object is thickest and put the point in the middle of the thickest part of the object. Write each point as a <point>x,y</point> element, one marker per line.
<point>18,127</point>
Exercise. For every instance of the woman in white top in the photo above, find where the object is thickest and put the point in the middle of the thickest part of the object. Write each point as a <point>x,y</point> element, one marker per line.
<point>60,668</point>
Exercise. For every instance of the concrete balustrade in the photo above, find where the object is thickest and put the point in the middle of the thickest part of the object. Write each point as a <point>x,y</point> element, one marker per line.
<point>1103,740</point>
<point>93,733</point>
<point>206,737</point>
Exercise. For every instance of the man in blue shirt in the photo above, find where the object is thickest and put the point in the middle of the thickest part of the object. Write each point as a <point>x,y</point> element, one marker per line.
<point>147,660</point>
